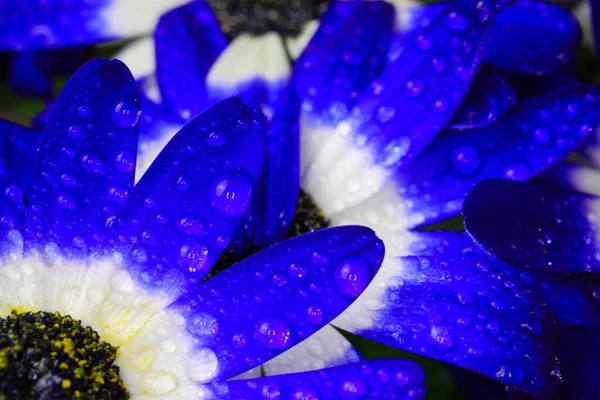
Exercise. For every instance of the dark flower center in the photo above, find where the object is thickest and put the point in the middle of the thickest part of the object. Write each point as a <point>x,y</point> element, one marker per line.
<point>308,218</point>
<point>261,16</point>
<point>49,356</point>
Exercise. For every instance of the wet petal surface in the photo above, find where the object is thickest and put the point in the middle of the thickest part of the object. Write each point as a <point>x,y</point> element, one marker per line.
<point>469,314</point>
<point>188,40</point>
<point>278,297</point>
<point>536,227</point>
<point>84,170</point>
<point>424,82</point>
<point>183,211</point>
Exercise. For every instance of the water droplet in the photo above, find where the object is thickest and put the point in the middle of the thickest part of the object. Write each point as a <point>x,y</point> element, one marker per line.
<point>466,160</point>
<point>440,337</point>
<point>158,383</point>
<point>315,314</point>
<point>457,21</point>
<point>84,111</point>
<point>138,254</point>
<point>239,340</point>
<point>125,114</point>
<point>297,270</point>
<point>320,257</point>
<point>493,327</point>
<point>125,161</point>
<point>279,280</point>
<point>66,202</point>
<point>272,332</point>
<point>438,64</point>
<point>270,391</point>
<point>215,138</point>
<point>353,388</point>
<point>517,172</point>
<point>230,194</point>
<point>68,180</point>
<point>190,226</point>
<point>92,163</point>
<point>183,183</point>
<point>440,105</point>
<point>203,324</point>
<point>194,256</point>
<point>352,276</point>
<point>385,113</point>
<point>414,87</point>
<point>168,346</point>
<point>424,41</point>
<point>541,135</point>
<point>117,195</point>
<point>76,132</point>
<point>202,366</point>
<point>572,110</point>
<point>121,281</point>
<point>304,394</point>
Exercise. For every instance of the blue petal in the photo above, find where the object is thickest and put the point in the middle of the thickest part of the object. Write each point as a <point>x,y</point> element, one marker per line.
<point>41,24</point>
<point>18,149</point>
<point>184,210</point>
<point>273,209</point>
<point>466,313</point>
<point>424,83</point>
<point>530,36</point>
<point>413,18</point>
<point>188,40</point>
<point>375,379</point>
<point>86,163</point>
<point>278,297</point>
<point>534,226</point>
<point>572,299</point>
<point>534,37</point>
<point>537,134</point>
<point>345,54</point>
<point>579,355</point>
<point>490,97</point>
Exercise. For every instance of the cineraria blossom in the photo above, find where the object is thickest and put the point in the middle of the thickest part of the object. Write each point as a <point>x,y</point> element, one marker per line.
<point>100,288</point>
<point>388,121</point>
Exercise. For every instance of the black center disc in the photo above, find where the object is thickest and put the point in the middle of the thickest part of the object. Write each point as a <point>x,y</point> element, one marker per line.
<point>49,356</point>
<point>261,16</point>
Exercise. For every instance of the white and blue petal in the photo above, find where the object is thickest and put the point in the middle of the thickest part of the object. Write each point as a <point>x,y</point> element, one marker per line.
<point>38,24</point>
<point>186,207</point>
<point>535,227</point>
<point>375,379</point>
<point>472,315</point>
<point>86,163</point>
<point>537,134</point>
<point>268,302</point>
<point>332,71</point>
<point>188,40</point>
<point>427,75</point>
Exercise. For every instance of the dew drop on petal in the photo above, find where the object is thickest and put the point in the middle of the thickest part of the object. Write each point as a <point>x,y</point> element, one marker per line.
<point>215,138</point>
<point>125,161</point>
<point>202,366</point>
<point>466,160</point>
<point>125,114</point>
<point>315,314</point>
<point>353,388</point>
<point>272,332</point>
<point>203,324</point>
<point>190,226</point>
<point>230,194</point>
<point>352,276</point>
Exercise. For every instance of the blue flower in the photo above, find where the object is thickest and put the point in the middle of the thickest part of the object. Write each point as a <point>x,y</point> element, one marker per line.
<point>370,111</point>
<point>127,260</point>
<point>388,122</point>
